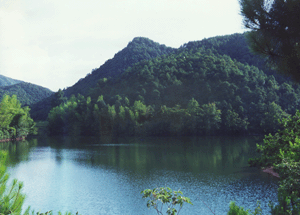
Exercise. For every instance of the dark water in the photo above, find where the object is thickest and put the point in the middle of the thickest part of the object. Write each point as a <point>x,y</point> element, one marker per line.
<point>106,177</point>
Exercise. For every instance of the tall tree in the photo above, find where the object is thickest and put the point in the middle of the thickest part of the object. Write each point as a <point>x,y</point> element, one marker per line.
<point>275,32</point>
<point>15,121</point>
<point>58,98</point>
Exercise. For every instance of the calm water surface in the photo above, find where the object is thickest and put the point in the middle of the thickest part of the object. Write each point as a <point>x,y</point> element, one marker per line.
<point>93,176</point>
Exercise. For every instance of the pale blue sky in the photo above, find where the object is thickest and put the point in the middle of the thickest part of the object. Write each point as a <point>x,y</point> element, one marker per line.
<point>54,43</point>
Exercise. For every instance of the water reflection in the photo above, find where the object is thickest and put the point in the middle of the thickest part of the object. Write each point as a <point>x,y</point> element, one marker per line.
<point>18,151</point>
<point>197,154</point>
<point>60,172</point>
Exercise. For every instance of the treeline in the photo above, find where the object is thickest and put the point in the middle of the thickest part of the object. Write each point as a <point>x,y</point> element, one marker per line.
<point>15,120</point>
<point>81,116</point>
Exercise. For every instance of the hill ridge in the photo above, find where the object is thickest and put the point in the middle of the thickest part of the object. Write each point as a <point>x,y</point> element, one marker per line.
<point>6,81</point>
<point>27,93</point>
<point>140,48</point>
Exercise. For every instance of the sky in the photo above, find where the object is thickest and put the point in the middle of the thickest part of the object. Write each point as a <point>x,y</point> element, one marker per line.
<point>54,43</point>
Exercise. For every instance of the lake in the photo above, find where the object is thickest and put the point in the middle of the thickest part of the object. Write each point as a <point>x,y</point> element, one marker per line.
<point>94,176</point>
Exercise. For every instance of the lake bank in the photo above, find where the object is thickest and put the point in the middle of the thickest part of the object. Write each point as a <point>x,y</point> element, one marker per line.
<point>13,139</point>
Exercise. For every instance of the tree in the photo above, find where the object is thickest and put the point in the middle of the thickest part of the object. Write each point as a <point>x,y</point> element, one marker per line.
<point>58,98</point>
<point>11,198</point>
<point>15,121</point>
<point>275,32</point>
<point>282,151</point>
<point>236,210</point>
<point>159,197</point>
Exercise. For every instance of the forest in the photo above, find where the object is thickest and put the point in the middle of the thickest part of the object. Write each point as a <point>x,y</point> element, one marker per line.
<point>202,88</point>
<point>5,81</point>
<point>27,93</point>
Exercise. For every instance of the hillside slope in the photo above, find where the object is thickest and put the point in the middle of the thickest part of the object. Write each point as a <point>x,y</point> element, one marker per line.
<point>137,50</point>
<point>5,81</point>
<point>192,91</point>
<point>26,93</point>
<point>235,46</point>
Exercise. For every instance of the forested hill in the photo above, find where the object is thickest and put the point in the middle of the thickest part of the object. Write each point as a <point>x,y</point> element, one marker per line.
<point>137,50</point>
<point>194,90</point>
<point>26,93</point>
<point>235,46</point>
<point>5,81</point>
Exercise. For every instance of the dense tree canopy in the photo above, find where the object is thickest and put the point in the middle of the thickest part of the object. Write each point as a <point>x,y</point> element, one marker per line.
<point>275,32</point>
<point>27,93</point>
<point>15,121</point>
<point>138,49</point>
<point>5,81</point>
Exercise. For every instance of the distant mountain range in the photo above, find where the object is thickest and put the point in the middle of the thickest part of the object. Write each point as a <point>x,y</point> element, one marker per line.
<point>27,93</point>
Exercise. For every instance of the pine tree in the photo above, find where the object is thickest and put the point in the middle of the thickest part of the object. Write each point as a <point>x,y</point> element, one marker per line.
<point>11,197</point>
<point>275,32</point>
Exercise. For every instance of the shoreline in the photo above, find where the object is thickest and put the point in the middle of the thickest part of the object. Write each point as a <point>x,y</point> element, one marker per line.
<point>12,139</point>
<point>270,170</point>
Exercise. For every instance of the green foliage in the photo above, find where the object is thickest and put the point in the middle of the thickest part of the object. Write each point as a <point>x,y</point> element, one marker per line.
<point>27,93</point>
<point>192,92</point>
<point>282,151</point>
<point>15,121</point>
<point>284,143</point>
<point>289,186</point>
<point>270,120</point>
<point>234,123</point>
<point>11,198</point>
<point>139,49</point>
<point>58,98</point>
<point>246,103</point>
<point>236,210</point>
<point>218,70</point>
<point>164,196</point>
<point>275,32</point>
<point>5,81</point>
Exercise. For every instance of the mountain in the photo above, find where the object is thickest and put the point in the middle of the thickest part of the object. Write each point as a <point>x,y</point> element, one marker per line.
<point>5,81</point>
<point>27,93</point>
<point>137,50</point>
<point>214,86</point>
